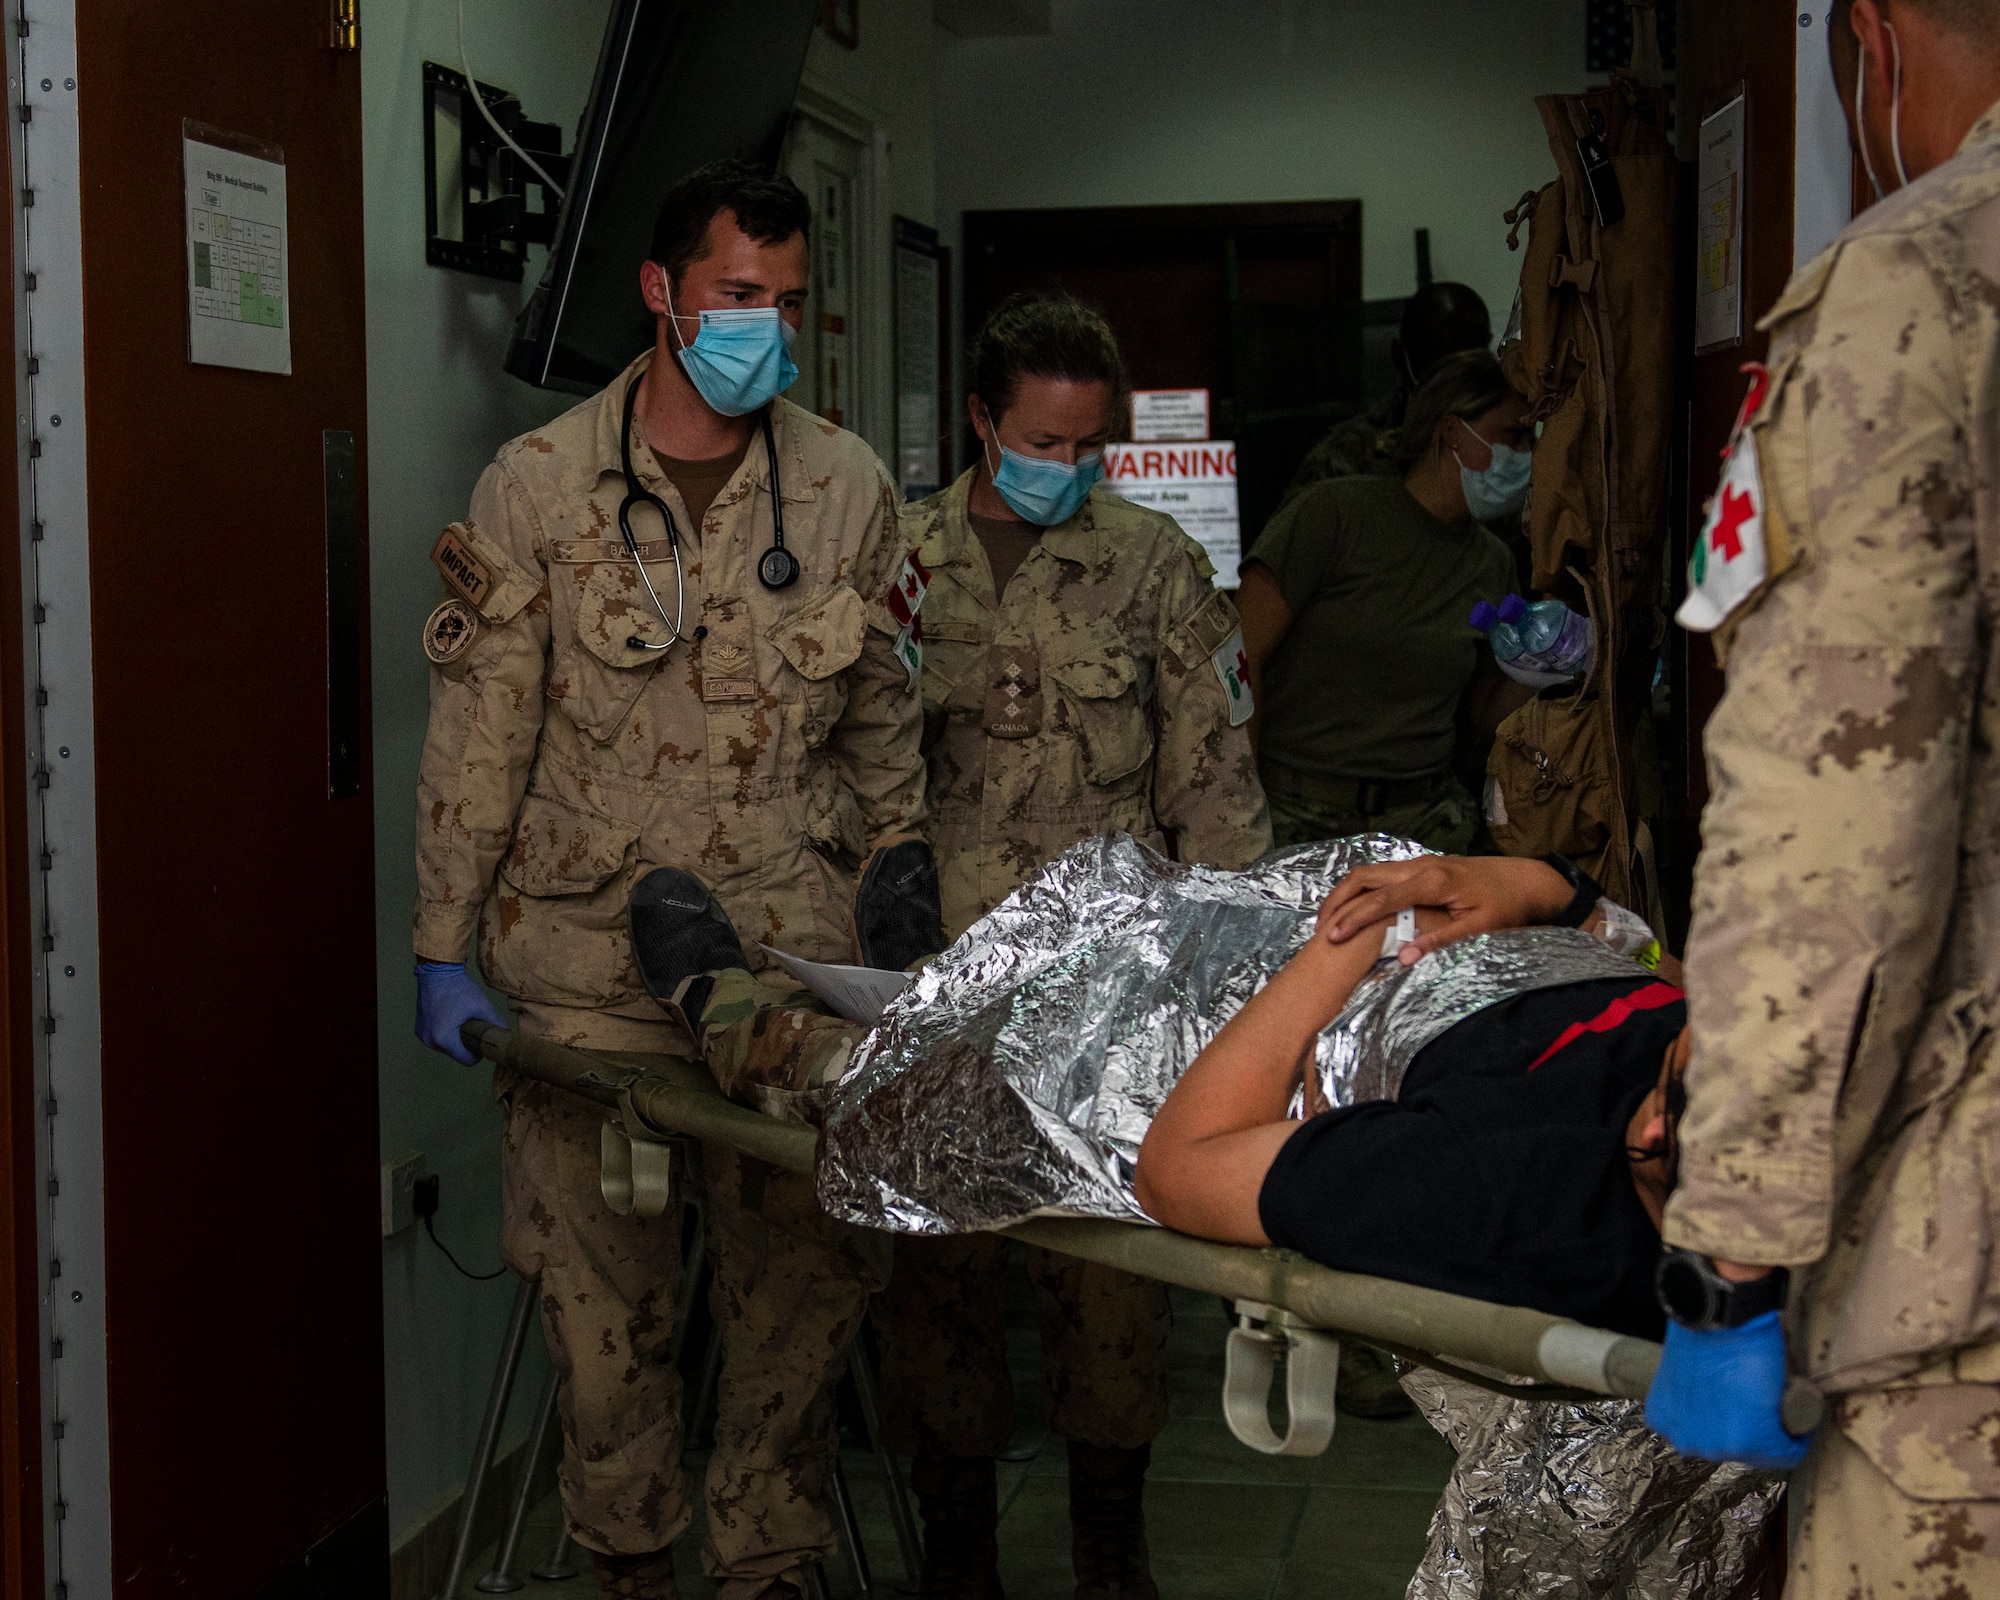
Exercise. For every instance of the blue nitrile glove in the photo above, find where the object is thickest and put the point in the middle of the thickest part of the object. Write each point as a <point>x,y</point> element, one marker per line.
<point>1717,1395</point>
<point>447,996</point>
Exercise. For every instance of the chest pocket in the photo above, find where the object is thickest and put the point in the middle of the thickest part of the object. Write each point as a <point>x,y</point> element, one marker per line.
<point>819,642</point>
<point>1097,700</point>
<point>954,648</point>
<point>597,676</point>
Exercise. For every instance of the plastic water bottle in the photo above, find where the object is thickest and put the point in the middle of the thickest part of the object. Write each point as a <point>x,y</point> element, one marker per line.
<point>1515,628</point>
<point>1556,637</point>
<point>1501,634</point>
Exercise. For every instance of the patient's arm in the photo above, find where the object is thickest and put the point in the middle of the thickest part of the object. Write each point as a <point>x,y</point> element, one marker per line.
<point>1479,894</point>
<point>1205,1156</point>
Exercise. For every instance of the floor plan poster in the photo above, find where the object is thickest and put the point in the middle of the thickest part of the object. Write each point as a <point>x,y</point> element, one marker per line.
<point>239,287</point>
<point>1718,270</point>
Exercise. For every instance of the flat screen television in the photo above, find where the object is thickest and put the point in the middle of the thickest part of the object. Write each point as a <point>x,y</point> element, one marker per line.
<point>679,83</point>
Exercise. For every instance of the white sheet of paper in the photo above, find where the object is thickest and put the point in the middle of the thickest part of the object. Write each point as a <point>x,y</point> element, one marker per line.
<point>859,994</point>
<point>238,264</point>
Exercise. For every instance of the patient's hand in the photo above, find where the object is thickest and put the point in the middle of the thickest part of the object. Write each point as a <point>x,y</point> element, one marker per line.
<point>1477,894</point>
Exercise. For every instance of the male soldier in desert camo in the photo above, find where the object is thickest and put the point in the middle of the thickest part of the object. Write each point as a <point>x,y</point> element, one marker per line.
<point>587,725</point>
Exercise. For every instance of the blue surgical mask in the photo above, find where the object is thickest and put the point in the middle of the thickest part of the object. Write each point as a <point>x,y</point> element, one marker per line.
<point>1502,489</point>
<point>741,360</point>
<point>1042,491</point>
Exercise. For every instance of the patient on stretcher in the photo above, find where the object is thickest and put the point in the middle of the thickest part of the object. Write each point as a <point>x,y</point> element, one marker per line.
<point>1525,1158</point>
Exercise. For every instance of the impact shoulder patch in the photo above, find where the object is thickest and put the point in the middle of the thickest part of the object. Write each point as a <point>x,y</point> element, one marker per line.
<point>487,580</point>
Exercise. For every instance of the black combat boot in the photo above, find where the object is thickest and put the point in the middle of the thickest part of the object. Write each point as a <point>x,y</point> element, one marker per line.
<point>647,1577</point>
<point>1107,1519</point>
<point>960,1501</point>
<point>1368,1386</point>
<point>898,915</point>
<point>680,933</point>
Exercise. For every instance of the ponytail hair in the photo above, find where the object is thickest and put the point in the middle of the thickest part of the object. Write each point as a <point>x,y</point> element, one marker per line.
<point>1044,335</point>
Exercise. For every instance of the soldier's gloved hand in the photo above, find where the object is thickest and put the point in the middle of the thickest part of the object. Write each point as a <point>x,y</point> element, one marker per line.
<point>1718,1392</point>
<point>447,996</point>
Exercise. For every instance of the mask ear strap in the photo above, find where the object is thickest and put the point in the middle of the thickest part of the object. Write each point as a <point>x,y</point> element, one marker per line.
<point>673,318</point>
<point>1896,106</point>
<point>992,439</point>
<point>1861,115</point>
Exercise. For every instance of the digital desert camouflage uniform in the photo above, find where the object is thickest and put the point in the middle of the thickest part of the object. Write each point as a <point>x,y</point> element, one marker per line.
<point>1103,691</point>
<point>1844,1096</point>
<point>563,762</point>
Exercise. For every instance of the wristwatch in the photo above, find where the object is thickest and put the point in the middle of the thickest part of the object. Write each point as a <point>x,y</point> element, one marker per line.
<point>1696,1296</point>
<point>1582,902</point>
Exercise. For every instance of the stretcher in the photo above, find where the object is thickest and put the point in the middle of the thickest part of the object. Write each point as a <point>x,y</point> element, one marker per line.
<point>1282,1299</point>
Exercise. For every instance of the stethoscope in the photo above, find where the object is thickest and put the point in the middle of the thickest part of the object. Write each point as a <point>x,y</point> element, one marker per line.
<point>777,568</point>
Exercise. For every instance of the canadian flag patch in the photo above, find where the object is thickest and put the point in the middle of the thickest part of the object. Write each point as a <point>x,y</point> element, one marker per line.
<point>905,600</point>
<point>1232,666</point>
<point>1729,560</point>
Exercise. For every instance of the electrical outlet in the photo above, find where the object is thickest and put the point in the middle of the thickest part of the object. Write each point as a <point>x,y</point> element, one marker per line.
<point>399,1185</point>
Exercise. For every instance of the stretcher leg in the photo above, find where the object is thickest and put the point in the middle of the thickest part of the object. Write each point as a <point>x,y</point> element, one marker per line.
<point>892,1474</point>
<point>489,1434</point>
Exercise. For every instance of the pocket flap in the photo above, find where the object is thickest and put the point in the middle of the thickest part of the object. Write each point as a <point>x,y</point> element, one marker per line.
<point>1093,664</point>
<point>824,637</point>
<point>562,848</point>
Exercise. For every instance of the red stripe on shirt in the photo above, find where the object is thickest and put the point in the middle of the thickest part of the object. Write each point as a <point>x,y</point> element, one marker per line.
<point>1650,998</point>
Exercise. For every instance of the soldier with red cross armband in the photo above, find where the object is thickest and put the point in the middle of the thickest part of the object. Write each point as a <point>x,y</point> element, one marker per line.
<point>1838,1197</point>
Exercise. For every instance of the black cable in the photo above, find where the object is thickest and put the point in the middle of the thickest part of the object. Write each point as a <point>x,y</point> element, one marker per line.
<point>477,1277</point>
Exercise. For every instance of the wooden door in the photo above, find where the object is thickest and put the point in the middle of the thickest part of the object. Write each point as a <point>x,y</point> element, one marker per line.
<point>200,616</point>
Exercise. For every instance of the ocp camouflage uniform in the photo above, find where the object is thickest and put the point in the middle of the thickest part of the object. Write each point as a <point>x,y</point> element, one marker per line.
<point>1103,691</point>
<point>1844,1096</point>
<point>563,762</point>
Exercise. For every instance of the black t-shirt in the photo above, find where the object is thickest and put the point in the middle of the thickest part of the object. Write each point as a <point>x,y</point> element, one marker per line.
<point>1499,1171</point>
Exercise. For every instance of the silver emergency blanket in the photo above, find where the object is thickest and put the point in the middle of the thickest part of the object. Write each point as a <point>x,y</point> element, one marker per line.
<point>1552,1500</point>
<point>1018,1075</point>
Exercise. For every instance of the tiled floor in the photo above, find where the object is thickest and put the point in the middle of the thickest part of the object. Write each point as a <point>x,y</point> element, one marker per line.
<point>1223,1522</point>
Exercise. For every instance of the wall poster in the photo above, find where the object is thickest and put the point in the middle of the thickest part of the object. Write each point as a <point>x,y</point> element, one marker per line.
<point>1718,266</point>
<point>238,262</point>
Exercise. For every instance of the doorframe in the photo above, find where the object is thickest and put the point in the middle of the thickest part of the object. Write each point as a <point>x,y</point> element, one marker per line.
<point>874,420</point>
<point>46,681</point>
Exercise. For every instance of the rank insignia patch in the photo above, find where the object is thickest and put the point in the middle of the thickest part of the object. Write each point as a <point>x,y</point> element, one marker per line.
<point>449,632</point>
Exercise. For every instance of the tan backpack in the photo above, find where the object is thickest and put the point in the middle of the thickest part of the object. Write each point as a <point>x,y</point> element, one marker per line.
<point>1595,360</point>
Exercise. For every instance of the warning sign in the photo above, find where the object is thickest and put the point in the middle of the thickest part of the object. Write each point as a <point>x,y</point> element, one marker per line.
<point>1195,484</point>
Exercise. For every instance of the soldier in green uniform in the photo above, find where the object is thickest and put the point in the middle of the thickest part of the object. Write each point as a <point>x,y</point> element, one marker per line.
<point>1354,604</point>
<point>618,683</point>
